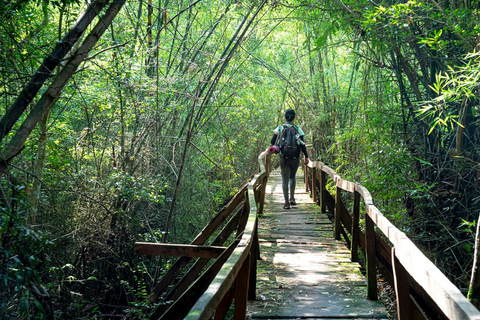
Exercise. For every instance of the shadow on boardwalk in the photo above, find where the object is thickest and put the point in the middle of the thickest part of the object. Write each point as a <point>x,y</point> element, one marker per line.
<point>304,273</point>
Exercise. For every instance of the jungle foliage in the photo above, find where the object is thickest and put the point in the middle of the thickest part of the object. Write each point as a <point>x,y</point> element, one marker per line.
<point>144,132</point>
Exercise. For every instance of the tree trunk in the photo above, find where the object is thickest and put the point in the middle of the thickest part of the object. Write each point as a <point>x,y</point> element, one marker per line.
<point>53,92</point>
<point>474,289</point>
<point>326,102</point>
<point>223,62</point>
<point>38,169</point>
<point>149,67</point>
<point>190,125</point>
<point>48,65</point>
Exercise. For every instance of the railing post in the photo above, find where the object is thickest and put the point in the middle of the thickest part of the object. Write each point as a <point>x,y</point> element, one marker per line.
<point>355,229</point>
<point>241,291</point>
<point>255,255</point>
<point>338,213</point>
<point>371,258</point>
<point>243,216</point>
<point>305,171</point>
<point>262,194</point>
<point>314,184</point>
<point>224,305</point>
<point>402,289</point>
<point>268,164</point>
<point>323,191</point>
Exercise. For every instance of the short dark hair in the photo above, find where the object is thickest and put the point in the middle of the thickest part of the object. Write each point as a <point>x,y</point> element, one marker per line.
<point>290,115</point>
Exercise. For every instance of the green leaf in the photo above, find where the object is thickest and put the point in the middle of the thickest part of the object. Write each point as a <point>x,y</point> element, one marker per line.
<point>423,161</point>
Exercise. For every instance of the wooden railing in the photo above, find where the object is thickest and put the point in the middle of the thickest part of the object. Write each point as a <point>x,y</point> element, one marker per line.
<point>232,234</point>
<point>422,290</point>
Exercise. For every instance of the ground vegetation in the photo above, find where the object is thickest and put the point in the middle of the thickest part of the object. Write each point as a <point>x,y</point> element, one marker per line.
<point>126,121</point>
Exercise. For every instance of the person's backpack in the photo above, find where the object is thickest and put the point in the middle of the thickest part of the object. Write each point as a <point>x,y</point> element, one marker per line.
<point>289,148</point>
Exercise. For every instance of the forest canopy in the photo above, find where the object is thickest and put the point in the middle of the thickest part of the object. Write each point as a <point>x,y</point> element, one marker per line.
<point>136,120</point>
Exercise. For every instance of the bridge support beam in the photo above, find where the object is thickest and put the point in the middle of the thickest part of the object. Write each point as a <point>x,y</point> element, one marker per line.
<point>370,239</point>
<point>323,191</point>
<point>338,213</point>
<point>241,290</point>
<point>305,171</point>
<point>355,229</point>
<point>224,306</point>
<point>402,289</point>
<point>268,164</point>
<point>178,250</point>
<point>255,255</point>
<point>262,195</point>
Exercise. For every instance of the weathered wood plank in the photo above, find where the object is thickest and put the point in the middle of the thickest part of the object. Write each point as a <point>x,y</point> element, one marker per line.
<point>355,231</point>
<point>323,192</point>
<point>241,290</point>
<point>255,253</point>
<point>304,273</point>
<point>448,297</point>
<point>203,236</point>
<point>371,258</point>
<point>345,185</point>
<point>436,285</point>
<point>198,266</point>
<point>206,304</point>
<point>224,306</point>
<point>338,213</point>
<point>314,185</point>
<point>402,289</point>
<point>220,217</point>
<point>262,194</point>
<point>179,309</point>
<point>243,219</point>
<point>218,288</point>
<point>177,250</point>
<point>306,178</point>
<point>330,172</point>
<point>330,202</point>
<point>366,196</point>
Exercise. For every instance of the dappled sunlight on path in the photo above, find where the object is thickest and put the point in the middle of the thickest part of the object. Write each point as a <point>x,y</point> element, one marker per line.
<point>304,272</point>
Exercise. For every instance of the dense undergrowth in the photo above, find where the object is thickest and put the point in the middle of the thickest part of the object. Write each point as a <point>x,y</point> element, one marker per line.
<point>186,93</point>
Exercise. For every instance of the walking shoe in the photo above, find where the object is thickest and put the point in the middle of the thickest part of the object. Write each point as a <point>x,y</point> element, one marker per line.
<point>293,202</point>
<point>286,206</point>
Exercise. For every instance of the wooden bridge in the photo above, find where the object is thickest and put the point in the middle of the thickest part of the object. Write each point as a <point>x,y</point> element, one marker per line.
<point>304,272</point>
<point>255,260</point>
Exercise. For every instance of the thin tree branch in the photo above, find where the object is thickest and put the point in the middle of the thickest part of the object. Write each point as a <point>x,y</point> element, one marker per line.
<point>106,49</point>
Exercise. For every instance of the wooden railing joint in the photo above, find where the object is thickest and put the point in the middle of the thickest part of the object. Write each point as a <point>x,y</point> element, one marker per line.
<point>433,291</point>
<point>417,282</point>
<point>240,268</point>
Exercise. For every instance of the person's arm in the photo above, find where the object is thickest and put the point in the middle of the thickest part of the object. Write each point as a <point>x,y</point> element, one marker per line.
<point>274,139</point>
<point>303,148</point>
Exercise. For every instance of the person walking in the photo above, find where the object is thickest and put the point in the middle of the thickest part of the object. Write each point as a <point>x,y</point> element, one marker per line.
<point>290,139</point>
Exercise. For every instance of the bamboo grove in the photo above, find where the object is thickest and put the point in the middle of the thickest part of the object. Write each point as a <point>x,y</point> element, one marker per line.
<point>136,120</point>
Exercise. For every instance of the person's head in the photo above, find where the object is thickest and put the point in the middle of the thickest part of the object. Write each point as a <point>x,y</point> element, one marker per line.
<point>289,115</point>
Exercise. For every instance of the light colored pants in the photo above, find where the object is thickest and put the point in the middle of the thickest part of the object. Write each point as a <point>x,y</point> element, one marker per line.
<point>289,168</point>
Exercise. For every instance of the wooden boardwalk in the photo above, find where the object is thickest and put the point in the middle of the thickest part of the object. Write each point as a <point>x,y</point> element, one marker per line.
<point>304,273</point>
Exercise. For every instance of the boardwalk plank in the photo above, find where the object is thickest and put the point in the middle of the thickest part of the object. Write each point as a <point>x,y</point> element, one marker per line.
<point>304,272</point>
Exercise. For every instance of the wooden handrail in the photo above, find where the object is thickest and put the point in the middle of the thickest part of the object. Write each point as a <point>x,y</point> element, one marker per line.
<point>200,239</point>
<point>178,250</point>
<point>237,267</point>
<point>210,289</point>
<point>420,286</point>
<point>426,288</point>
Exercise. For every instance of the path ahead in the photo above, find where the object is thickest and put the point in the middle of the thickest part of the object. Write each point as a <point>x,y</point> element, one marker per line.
<point>304,273</point>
